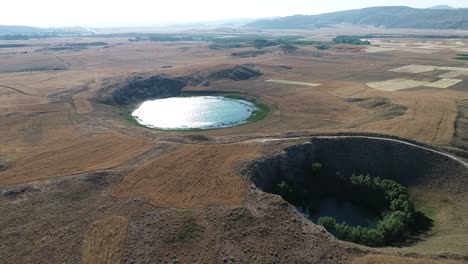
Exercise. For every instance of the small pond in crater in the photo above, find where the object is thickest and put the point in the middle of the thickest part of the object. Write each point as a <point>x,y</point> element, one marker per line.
<point>197,112</point>
<point>342,211</point>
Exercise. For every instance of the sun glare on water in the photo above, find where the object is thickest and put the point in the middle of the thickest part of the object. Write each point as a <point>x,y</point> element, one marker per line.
<point>203,112</point>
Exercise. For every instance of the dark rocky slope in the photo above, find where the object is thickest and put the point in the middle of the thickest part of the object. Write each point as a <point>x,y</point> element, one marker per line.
<point>238,73</point>
<point>3,166</point>
<point>403,163</point>
<point>137,88</point>
<point>460,139</point>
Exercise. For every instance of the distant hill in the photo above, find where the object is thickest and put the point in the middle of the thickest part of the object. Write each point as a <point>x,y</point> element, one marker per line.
<point>13,30</point>
<point>443,7</point>
<point>25,30</point>
<point>388,17</point>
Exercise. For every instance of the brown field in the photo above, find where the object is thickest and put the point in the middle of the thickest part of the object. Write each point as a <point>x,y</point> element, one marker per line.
<point>396,84</point>
<point>181,197</point>
<point>191,177</point>
<point>371,259</point>
<point>88,154</point>
<point>104,241</point>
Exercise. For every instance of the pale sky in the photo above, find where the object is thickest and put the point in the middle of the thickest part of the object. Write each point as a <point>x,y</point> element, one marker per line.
<point>152,12</point>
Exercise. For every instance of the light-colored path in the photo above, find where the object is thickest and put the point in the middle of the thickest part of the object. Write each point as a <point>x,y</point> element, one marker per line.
<point>293,82</point>
<point>453,157</point>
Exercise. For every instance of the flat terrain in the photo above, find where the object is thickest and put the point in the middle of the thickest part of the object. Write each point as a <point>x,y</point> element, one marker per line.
<point>191,177</point>
<point>81,183</point>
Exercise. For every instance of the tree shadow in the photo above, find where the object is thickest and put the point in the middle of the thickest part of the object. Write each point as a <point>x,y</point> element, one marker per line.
<point>422,225</point>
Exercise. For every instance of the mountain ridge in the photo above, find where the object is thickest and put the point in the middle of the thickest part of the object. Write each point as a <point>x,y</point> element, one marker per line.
<point>386,16</point>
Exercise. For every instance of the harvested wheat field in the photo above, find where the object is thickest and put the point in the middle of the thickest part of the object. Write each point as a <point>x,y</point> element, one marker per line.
<point>191,177</point>
<point>444,83</point>
<point>396,84</point>
<point>104,241</point>
<point>88,154</point>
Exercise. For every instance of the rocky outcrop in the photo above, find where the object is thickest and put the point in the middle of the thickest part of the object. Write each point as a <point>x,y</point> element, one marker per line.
<point>3,166</point>
<point>383,108</point>
<point>460,139</point>
<point>237,73</point>
<point>139,88</point>
<point>289,49</point>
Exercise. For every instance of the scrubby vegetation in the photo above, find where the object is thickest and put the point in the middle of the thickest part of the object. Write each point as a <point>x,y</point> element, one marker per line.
<point>390,203</point>
<point>188,231</point>
<point>248,53</point>
<point>462,57</point>
<point>354,40</point>
<point>13,45</point>
<point>87,44</point>
<point>288,48</point>
<point>323,46</point>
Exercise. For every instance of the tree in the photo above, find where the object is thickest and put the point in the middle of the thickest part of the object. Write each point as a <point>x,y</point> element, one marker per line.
<point>316,168</point>
<point>328,222</point>
<point>354,40</point>
<point>285,190</point>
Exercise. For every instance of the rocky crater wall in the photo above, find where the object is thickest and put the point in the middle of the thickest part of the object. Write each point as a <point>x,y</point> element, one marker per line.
<point>136,88</point>
<point>406,164</point>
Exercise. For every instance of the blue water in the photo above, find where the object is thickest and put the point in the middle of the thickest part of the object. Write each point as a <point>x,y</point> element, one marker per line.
<point>198,112</point>
<point>342,211</point>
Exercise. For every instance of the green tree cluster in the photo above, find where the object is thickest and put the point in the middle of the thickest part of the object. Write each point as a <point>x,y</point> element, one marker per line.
<point>354,40</point>
<point>397,213</point>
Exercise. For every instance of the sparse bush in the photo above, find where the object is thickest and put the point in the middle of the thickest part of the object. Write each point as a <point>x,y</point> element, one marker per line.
<point>285,190</point>
<point>322,46</point>
<point>316,167</point>
<point>189,230</point>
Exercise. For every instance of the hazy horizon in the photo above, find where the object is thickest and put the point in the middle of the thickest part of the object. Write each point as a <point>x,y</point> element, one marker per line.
<point>106,13</point>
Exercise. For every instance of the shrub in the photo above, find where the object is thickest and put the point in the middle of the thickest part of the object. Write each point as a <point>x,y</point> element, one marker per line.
<point>322,46</point>
<point>285,191</point>
<point>328,222</point>
<point>316,167</point>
